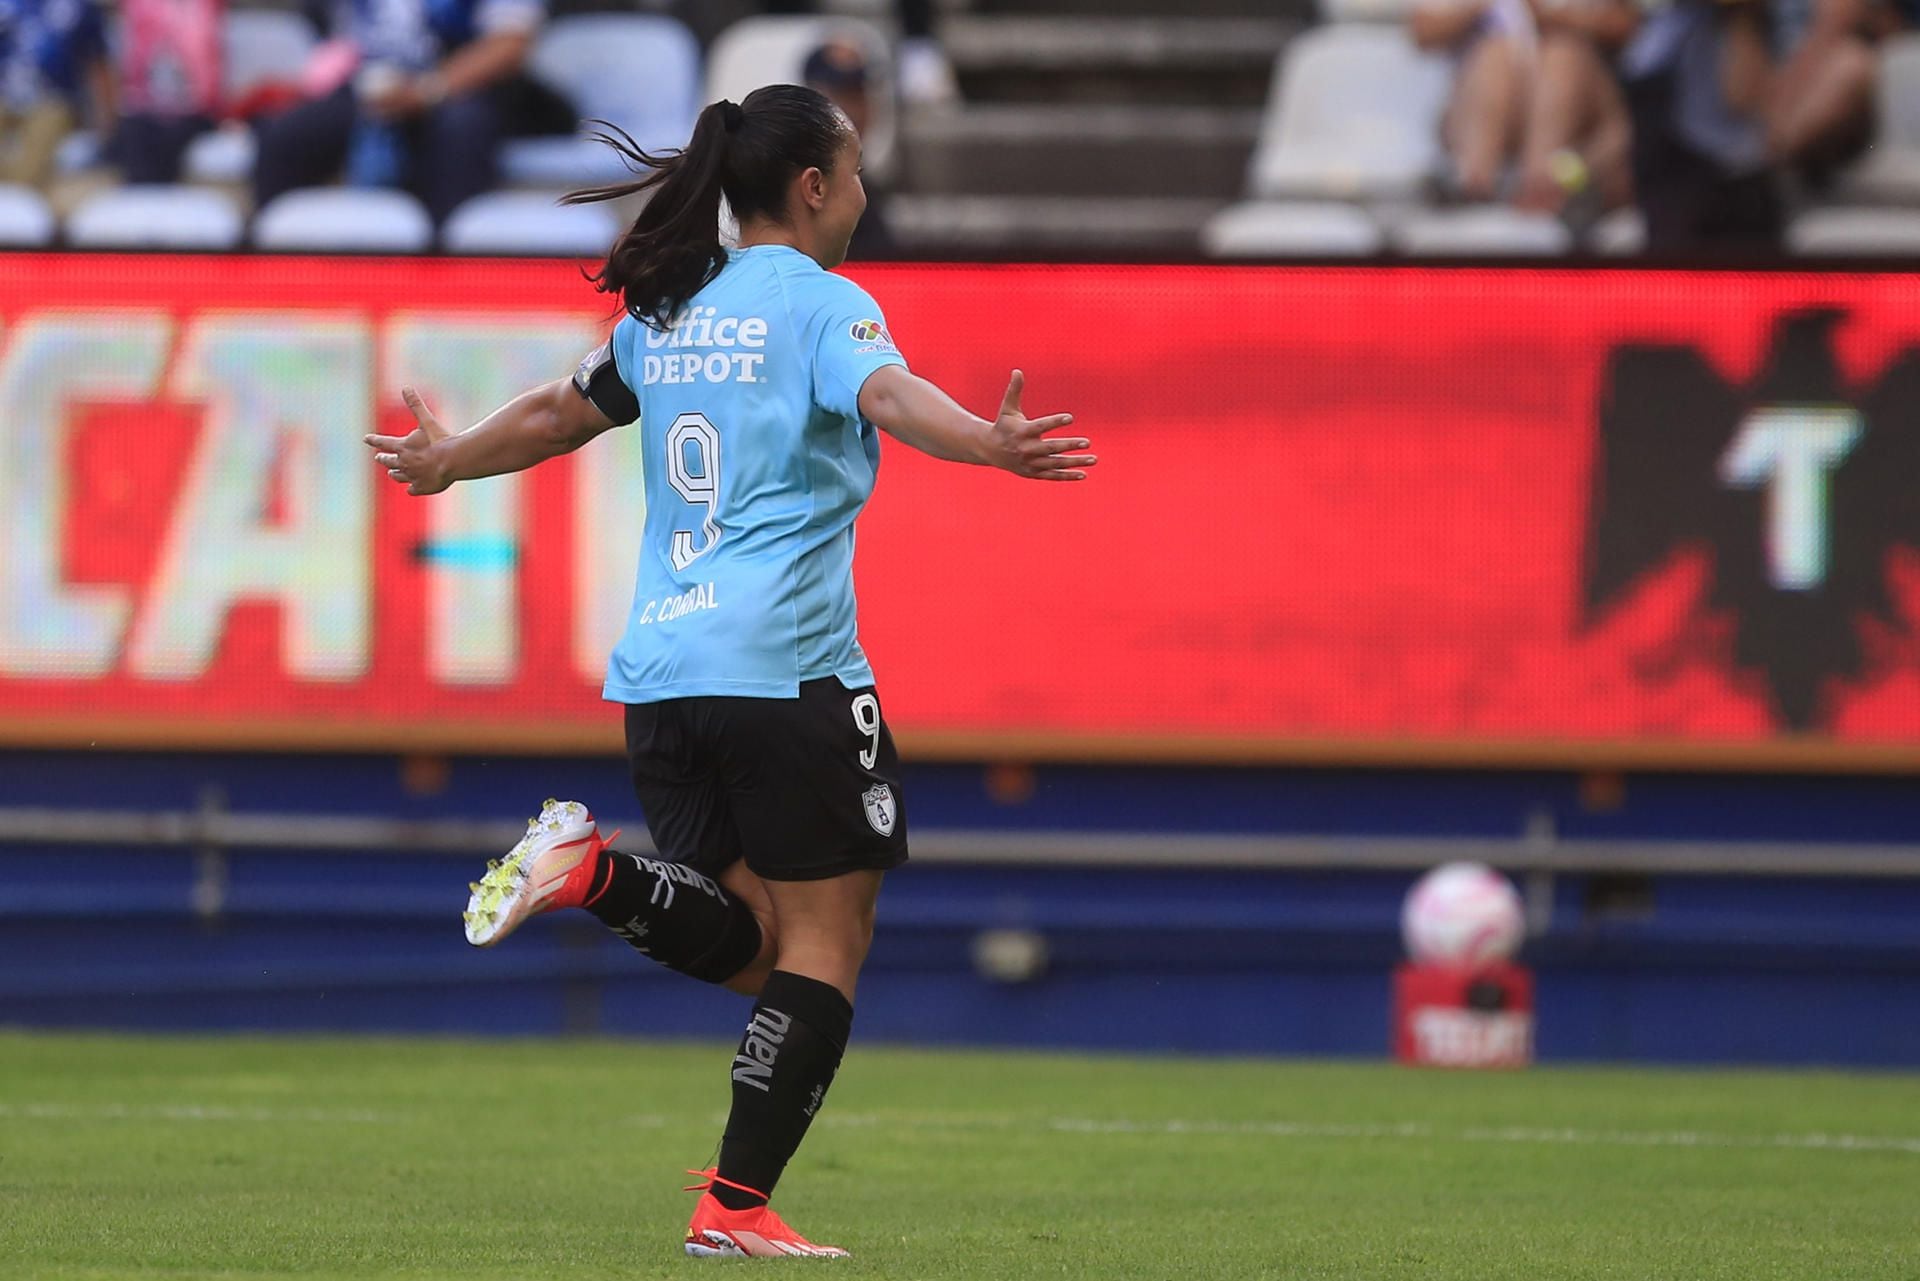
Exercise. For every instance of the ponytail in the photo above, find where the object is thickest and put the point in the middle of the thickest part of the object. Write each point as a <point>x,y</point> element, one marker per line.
<point>747,152</point>
<point>673,248</point>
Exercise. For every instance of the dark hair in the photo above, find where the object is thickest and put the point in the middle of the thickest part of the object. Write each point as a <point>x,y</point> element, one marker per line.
<point>749,152</point>
<point>837,64</point>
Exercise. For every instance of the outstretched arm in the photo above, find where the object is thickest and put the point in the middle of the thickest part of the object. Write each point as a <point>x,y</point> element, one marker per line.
<point>534,426</point>
<point>919,413</point>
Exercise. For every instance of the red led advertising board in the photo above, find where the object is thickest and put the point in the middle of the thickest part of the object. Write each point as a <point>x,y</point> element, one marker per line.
<point>1500,516</point>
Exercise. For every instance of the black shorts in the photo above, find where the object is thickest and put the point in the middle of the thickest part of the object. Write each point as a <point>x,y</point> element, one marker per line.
<point>802,788</point>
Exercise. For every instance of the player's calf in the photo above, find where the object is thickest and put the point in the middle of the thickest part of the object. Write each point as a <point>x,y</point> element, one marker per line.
<point>681,918</point>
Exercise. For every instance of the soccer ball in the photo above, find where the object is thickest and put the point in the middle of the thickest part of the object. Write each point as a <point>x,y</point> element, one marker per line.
<point>1462,915</point>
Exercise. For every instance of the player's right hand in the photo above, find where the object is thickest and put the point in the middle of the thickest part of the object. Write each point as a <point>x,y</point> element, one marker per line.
<point>411,460</point>
<point>1021,444</point>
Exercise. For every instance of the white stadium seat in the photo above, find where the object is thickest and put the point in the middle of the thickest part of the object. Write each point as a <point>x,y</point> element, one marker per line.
<point>1291,229</point>
<point>25,219</point>
<point>773,50</point>
<point>1481,231</point>
<point>1866,233</point>
<point>638,71</point>
<point>220,155</point>
<point>343,219</point>
<point>1620,234</point>
<point>1890,171</point>
<point>258,46</point>
<point>528,223</point>
<point>1353,115</point>
<point>155,218</point>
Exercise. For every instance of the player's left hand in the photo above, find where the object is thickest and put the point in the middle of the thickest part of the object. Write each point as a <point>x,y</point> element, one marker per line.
<point>411,460</point>
<point>1021,444</point>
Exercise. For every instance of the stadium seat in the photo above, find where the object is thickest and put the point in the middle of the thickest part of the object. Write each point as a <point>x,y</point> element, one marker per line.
<point>773,50</point>
<point>220,155</point>
<point>1287,229</point>
<point>259,46</point>
<point>528,223</point>
<point>638,71</point>
<point>155,218</point>
<point>1353,114</point>
<point>1620,234</point>
<point>343,219</point>
<point>1864,233</point>
<point>1481,231</point>
<point>1890,172</point>
<point>25,219</point>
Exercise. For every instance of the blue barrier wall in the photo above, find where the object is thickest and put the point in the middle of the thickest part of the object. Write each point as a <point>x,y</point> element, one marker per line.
<point>1493,804</point>
<point>1804,969</point>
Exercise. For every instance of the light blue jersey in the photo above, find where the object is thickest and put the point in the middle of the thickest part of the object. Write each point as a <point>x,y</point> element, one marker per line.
<point>757,463</point>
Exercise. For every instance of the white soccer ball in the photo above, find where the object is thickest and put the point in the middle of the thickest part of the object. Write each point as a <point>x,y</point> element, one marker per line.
<point>1463,915</point>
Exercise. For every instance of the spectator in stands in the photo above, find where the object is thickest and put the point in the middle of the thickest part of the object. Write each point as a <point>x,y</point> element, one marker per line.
<point>169,84</point>
<point>427,108</point>
<point>1809,73</point>
<point>1702,170</point>
<point>838,70</point>
<point>54,76</point>
<point>1492,42</point>
<point>1533,87</point>
<point>1578,138</point>
<point>925,75</point>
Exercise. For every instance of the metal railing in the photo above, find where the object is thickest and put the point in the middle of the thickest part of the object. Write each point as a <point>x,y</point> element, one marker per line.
<point>213,828</point>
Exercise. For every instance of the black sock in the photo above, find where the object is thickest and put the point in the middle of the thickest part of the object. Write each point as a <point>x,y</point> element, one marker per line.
<point>781,1072</point>
<point>675,915</point>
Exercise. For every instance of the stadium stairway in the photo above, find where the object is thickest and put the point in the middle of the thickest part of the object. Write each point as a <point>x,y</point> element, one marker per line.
<point>1089,128</point>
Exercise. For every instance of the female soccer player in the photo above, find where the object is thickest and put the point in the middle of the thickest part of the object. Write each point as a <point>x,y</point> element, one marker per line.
<point>766,772</point>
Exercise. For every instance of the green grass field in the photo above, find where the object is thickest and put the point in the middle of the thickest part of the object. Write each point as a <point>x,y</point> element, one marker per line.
<point>132,1157</point>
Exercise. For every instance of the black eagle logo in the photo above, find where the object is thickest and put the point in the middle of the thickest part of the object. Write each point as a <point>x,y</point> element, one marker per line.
<point>1797,485</point>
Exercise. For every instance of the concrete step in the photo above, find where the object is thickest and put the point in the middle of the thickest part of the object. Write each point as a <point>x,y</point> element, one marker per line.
<point>1018,149</point>
<point>1219,61</point>
<point>1050,226</point>
<point>1061,44</point>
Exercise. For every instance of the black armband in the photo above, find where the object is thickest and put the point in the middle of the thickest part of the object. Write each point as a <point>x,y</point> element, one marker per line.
<point>598,380</point>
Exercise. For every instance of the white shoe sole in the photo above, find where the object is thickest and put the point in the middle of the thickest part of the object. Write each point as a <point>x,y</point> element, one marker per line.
<point>504,897</point>
<point>719,1245</point>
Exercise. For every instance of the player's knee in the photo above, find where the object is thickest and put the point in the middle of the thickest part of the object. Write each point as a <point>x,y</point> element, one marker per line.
<point>733,950</point>
<point>841,948</point>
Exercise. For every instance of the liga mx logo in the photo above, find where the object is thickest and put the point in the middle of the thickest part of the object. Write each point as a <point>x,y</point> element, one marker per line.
<point>1798,485</point>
